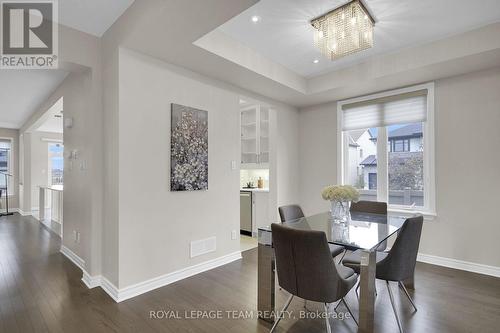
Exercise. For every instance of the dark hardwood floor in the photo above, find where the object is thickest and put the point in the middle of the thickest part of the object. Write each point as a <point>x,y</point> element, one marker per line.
<point>41,291</point>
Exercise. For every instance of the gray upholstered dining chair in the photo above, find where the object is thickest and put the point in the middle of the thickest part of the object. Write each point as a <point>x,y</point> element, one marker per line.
<point>294,212</point>
<point>307,270</point>
<point>399,263</point>
<point>290,212</point>
<point>372,207</point>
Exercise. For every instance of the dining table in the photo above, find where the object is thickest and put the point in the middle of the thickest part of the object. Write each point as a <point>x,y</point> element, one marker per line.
<point>361,231</point>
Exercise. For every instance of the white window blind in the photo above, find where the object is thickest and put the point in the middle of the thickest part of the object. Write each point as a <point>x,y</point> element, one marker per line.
<point>405,108</point>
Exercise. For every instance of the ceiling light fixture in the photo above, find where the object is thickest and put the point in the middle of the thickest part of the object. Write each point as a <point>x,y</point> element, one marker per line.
<point>315,61</point>
<point>343,31</point>
<point>255,19</point>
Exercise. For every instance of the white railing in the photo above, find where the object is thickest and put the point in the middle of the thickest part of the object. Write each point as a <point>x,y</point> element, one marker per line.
<point>51,207</point>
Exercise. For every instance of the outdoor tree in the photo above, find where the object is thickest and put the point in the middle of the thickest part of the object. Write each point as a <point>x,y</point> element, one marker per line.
<point>406,171</point>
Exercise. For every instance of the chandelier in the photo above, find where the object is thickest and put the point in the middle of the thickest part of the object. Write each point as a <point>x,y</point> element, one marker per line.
<point>343,31</point>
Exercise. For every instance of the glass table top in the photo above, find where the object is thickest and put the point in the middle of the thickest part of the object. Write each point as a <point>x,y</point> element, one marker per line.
<point>363,230</point>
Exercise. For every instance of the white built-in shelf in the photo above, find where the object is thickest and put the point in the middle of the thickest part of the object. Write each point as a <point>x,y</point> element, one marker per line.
<point>248,138</point>
<point>248,152</point>
<point>248,124</point>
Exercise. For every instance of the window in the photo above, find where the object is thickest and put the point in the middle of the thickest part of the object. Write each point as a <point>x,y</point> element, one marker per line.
<point>56,164</point>
<point>362,163</point>
<point>405,167</point>
<point>6,165</point>
<point>395,132</point>
<point>372,181</point>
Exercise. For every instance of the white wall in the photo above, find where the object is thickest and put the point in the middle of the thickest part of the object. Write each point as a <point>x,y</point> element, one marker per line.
<point>467,158</point>
<point>157,225</point>
<point>318,155</point>
<point>287,164</point>
<point>79,54</point>
<point>467,164</point>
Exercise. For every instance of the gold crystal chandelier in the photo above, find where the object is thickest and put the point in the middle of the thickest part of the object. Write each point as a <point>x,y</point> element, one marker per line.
<point>343,31</point>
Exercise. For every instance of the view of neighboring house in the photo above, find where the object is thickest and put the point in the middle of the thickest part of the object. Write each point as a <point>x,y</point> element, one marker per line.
<point>361,145</point>
<point>405,168</point>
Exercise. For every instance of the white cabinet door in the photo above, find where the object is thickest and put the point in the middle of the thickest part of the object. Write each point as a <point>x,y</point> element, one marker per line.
<point>263,135</point>
<point>261,213</point>
<point>249,136</point>
<point>255,137</point>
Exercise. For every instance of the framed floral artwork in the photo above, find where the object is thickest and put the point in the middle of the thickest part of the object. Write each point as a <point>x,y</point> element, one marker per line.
<point>188,149</point>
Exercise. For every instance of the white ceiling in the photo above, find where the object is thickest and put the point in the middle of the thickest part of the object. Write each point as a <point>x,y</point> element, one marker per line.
<point>285,36</point>
<point>22,91</point>
<point>91,16</point>
<point>53,119</point>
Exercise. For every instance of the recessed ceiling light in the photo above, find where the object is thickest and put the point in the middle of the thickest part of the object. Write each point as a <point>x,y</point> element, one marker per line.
<point>255,19</point>
<point>315,61</point>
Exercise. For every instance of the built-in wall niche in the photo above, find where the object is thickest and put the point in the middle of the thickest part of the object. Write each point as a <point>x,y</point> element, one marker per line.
<point>252,176</point>
<point>255,136</point>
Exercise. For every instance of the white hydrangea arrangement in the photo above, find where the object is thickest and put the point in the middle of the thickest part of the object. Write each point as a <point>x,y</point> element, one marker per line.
<point>340,193</point>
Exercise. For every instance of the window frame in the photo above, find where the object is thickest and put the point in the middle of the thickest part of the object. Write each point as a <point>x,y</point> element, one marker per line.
<point>429,208</point>
<point>10,166</point>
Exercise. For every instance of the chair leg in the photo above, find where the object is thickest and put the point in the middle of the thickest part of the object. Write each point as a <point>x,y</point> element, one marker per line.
<point>407,295</point>
<point>350,312</point>
<point>394,306</point>
<point>281,314</point>
<point>337,306</point>
<point>343,255</point>
<point>327,319</point>
<point>305,306</point>
<point>357,288</point>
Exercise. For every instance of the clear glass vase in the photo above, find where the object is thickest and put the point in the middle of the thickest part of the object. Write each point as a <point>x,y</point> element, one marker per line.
<point>340,211</point>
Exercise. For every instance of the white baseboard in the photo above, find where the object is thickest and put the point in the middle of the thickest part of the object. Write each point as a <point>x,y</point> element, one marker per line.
<point>148,285</point>
<point>110,289</point>
<point>91,281</point>
<point>79,262</point>
<point>23,213</point>
<point>119,295</point>
<point>459,264</point>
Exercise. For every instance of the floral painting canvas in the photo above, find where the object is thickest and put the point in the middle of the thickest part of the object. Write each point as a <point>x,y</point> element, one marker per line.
<point>189,149</point>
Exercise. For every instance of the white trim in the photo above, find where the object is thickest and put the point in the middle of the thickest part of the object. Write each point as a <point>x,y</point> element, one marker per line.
<point>91,281</point>
<point>10,163</point>
<point>120,295</point>
<point>79,262</point>
<point>382,165</point>
<point>459,264</point>
<point>429,208</point>
<point>429,153</point>
<point>428,216</point>
<point>23,213</point>
<point>148,285</point>
<point>110,289</point>
<point>341,149</point>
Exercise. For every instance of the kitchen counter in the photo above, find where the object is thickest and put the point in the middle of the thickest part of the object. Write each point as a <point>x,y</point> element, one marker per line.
<point>266,190</point>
